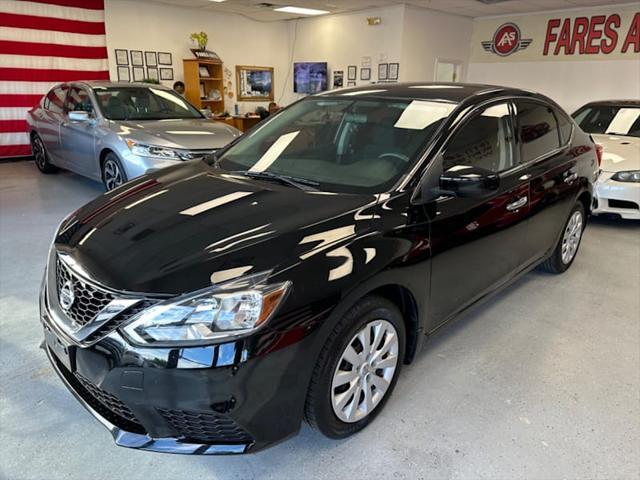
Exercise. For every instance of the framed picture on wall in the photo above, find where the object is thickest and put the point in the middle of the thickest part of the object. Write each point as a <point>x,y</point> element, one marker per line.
<point>365,74</point>
<point>338,78</point>
<point>166,74</point>
<point>164,58</point>
<point>122,57</point>
<point>351,84</point>
<point>394,69</point>
<point>138,74</point>
<point>152,73</point>
<point>383,71</point>
<point>137,60</point>
<point>123,74</point>
<point>352,72</point>
<point>151,59</point>
<point>254,84</point>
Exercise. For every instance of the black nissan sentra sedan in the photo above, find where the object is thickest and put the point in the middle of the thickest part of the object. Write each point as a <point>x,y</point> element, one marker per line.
<point>210,307</point>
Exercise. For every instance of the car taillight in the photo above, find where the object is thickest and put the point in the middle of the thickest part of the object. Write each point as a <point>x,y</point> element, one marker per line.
<point>599,151</point>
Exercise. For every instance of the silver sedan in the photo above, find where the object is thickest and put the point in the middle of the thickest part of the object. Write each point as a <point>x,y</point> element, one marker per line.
<point>113,132</point>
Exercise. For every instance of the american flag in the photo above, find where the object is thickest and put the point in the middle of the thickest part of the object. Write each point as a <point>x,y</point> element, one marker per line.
<point>42,43</point>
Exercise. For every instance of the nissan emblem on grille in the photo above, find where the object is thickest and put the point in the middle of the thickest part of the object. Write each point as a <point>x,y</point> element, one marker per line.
<point>66,295</point>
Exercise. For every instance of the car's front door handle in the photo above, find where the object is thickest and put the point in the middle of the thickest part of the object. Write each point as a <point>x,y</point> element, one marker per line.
<point>521,202</point>
<point>571,177</point>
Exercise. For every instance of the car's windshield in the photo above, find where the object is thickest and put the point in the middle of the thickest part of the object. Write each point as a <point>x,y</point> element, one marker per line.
<point>341,144</point>
<point>609,119</point>
<point>143,103</point>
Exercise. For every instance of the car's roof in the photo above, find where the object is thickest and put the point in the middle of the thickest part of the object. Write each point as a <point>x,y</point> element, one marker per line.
<point>109,84</point>
<point>613,103</point>
<point>453,92</point>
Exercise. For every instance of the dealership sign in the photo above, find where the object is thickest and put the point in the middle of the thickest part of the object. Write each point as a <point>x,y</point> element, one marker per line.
<point>599,35</point>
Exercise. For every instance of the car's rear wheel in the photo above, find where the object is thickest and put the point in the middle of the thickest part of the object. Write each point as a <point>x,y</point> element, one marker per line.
<point>41,156</point>
<point>113,175</point>
<point>357,369</point>
<point>567,248</point>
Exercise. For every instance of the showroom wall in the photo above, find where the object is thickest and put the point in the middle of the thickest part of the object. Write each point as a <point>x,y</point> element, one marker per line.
<point>140,25</point>
<point>575,56</point>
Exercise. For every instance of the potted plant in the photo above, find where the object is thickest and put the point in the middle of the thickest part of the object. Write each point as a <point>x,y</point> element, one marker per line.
<point>202,38</point>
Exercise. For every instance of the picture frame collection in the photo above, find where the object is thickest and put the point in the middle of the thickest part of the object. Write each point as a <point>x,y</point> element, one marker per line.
<point>388,72</point>
<point>137,66</point>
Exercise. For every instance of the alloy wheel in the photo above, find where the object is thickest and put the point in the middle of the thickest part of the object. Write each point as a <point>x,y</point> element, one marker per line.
<point>39,153</point>
<point>365,371</point>
<point>112,174</point>
<point>571,238</point>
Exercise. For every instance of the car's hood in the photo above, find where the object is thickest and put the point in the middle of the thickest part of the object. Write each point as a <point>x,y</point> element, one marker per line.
<point>184,227</point>
<point>192,134</point>
<point>620,152</point>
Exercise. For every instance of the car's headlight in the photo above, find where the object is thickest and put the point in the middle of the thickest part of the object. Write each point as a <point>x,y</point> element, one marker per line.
<point>144,150</point>
<point>216,313</point>
<point>628,176</point>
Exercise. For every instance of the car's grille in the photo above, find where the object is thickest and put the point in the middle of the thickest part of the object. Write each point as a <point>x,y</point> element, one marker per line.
<point>118,320</point>
<point>89,300</point>
<point>205,427</point>
<point>106,404</point>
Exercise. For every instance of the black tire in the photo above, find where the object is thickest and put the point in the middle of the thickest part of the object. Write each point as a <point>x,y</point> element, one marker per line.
<point>113,174</point>
<point>555,263</point>
<point>40,155</point>
<point>319,412</point>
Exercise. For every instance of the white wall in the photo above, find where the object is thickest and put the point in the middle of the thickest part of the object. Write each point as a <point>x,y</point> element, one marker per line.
<point>139,25</point>
<point>428,35</point>
<point>342,40</point>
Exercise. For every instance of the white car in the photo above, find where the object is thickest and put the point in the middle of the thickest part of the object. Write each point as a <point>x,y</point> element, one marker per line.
<point>615,125</point>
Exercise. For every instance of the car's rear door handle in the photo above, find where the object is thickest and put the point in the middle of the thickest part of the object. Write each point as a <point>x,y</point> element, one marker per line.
<point>571,177</point>
<point>521,202</point>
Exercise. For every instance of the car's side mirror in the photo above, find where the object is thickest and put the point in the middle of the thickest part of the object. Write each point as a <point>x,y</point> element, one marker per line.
<point>206,112</point>
<point>79,116</point>
<point>469,181</point>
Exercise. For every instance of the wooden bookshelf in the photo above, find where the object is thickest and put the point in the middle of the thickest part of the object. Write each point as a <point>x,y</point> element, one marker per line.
<point>212,81</point>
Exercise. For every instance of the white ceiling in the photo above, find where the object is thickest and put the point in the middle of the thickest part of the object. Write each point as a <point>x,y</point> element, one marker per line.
<point>256,9</point>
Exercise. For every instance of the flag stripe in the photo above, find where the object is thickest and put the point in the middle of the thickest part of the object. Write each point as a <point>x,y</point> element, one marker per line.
<point>89,4</point>
<point>14,138</point>
<point>13,126</point>
<point>48,36</point>
<point>54,24</point>
<point>19,100</point>
<point>26,87</point>
<point>51,50</point>
<point>53,63</point>
<point>41,75</point>
<point>15,151</point>
<point>54,11</point>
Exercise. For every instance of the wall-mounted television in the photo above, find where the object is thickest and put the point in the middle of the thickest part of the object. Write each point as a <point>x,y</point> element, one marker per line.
<point>309,77</point>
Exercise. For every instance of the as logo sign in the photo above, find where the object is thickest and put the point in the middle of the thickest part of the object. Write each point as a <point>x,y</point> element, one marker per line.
<point>506,40</point>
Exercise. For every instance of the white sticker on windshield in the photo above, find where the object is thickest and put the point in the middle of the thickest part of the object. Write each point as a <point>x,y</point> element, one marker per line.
<point>623,121</point>
<point>274,152</point>
<point>420,114</point>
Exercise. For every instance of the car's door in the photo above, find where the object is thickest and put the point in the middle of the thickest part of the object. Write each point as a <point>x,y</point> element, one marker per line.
<point>478,242</point>
<point>50,120</point>
<point>543,134</point>
<point>77,138</point>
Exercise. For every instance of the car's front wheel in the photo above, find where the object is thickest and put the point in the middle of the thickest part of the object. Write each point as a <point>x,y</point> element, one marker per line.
<point>565,252</point>
<point>41,156</point>
<point>357,368</point>
<point>113,175</point>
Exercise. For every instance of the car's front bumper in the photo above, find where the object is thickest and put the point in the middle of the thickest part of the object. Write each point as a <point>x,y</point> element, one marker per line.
<point>229,398</point>
<point>617,198</point>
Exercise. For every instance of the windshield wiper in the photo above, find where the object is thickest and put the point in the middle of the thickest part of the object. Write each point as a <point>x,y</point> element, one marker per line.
<point>301,183</point>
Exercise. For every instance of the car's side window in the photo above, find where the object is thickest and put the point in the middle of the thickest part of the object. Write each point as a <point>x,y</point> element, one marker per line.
<point>485,141</point>
<point>537,130</point>
<point>79,100</point>
<point>55,100</point>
